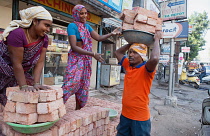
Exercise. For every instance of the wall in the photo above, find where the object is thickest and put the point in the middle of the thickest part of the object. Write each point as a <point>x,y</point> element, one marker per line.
<point>6,17</point>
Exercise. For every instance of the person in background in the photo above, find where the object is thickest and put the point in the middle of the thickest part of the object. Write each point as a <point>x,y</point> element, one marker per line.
<point>203,71</point>
<point>78,69</point>
<point>135,117</point>
<point>23,51</point>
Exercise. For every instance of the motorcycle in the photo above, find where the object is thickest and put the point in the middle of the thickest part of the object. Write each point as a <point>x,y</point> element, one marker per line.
<point>190,77</point>
<point>205,117</point>
<point>206,79</point>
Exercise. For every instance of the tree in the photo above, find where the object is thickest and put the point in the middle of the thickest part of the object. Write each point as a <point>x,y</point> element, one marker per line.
<point>196,40</point>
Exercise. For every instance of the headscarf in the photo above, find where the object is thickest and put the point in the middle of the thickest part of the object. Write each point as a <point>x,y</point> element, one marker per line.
<point>84,33</point>
<point>141,49</point>
<point>27,16</point>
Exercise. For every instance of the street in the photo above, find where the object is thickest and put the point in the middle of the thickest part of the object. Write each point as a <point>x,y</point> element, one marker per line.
<point>182,120</point>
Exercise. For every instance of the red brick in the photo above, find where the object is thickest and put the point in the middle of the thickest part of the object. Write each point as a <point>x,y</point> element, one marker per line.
<point>42,108</point>
<point>25,108</point>
<point>141,18</point>
<point>83,130</point>
<point>130,13</point>
<point>158,27</point>
<point>48,117</point>
<point>104,133</point>
<point>10,116</point>
<point>59,92</point>
<point>62,111</point>
<point>126,26</point>
<point>152,21</point>
<point>54,105</point>
<point>10,106</point>
<point>106,120</point>
<point>11,89</point>
<point>26,119</point>
<point>54,130</point>
<point>78,119</point>
<point>143,11</point>
<point>159,21</point>
<point>21,96</point>
<point>99,130</point>
<point>47,95</point>
<point>90,127</point>
<point>61,127</point>
<point>94,132</point>
<point>91,111</point>
<point>90,133</point>
<point>87,118</point>
<point>122,14</point>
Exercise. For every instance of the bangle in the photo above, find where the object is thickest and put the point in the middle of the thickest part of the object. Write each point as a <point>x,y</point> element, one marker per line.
<point>23,86</point>
<point>94,54</point>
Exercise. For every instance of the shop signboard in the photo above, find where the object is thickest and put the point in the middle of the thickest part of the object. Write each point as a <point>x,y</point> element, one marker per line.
<point>185,49</point>
<point>164,59</point>
<point>150,5</point>
<point>116,5</point>
<point>165,48</point>
<point>59,31</point>
<point>173,10</point>
<point>175,30</point>
<point>65,7</point>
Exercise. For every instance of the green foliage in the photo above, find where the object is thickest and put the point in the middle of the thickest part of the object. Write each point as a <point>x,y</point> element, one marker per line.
<point>196,40</point>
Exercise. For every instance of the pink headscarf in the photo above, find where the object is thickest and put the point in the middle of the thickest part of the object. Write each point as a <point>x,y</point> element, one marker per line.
<point>84,33</point>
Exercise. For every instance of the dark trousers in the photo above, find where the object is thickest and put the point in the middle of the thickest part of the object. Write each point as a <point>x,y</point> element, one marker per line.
<point>129,127</point>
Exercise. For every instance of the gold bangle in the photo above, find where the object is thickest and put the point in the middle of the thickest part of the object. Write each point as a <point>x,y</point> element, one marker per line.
<point>94,54</point>
<point>23,86</point>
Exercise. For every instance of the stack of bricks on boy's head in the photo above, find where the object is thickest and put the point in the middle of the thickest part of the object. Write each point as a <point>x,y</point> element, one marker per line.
<point>28,108</point>
<point>141,19</point>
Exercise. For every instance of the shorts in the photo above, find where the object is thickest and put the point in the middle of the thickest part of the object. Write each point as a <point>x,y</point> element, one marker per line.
<point>129,127</point>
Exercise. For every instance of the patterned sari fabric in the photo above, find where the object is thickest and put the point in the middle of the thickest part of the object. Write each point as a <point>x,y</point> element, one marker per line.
<point>31,55</point>
<point>78,70</point>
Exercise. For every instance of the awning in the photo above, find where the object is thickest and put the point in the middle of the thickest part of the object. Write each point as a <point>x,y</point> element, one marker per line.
<point>112,21</point>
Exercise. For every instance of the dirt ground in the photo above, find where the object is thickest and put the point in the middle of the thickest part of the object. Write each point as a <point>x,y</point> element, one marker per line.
<point>182,120</point>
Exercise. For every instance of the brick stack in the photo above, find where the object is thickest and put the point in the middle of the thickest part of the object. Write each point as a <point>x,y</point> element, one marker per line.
<point>28,108</point>
<point>92,120</point>
<point>141,19</point>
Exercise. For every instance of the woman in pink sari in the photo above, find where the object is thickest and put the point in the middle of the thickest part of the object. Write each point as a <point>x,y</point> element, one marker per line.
<point>78,70</point>
<point>23,49</point>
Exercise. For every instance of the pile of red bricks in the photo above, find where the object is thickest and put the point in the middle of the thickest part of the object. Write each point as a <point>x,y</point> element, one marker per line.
<point>92,120</point>
<point>28,108</point>
<point>141,19</point>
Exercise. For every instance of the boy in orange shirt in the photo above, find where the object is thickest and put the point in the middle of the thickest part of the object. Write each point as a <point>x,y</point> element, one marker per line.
<point>135,117</point>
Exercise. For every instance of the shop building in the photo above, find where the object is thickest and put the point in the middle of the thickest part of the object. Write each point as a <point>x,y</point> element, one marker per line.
<point>61,11</point>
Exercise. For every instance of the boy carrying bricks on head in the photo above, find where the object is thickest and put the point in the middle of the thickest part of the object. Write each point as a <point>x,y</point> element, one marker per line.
<point>135,117</point>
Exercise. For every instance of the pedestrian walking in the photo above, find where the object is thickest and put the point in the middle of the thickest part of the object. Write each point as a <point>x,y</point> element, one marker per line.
<point>78,70</point>
<point>23,49</point>
<point>139,74</point>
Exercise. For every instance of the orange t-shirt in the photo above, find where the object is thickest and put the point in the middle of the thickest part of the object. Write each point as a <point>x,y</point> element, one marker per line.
<point>137,84</point>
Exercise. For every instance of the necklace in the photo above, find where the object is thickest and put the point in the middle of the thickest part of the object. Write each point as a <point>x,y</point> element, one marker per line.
<point>29,39</point>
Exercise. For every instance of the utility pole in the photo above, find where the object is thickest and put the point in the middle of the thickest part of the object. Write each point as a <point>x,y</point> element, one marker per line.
<point>171,99</point>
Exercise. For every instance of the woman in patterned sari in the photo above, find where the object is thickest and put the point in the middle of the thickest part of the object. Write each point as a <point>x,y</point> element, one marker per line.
<point>23,49</point>
<point>78,70</point>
